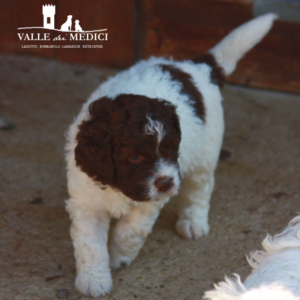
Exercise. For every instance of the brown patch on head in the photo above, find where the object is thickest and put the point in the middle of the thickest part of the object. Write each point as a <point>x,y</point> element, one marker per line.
<point>188,88</point>
<point>217,75</point>
<point>114,149</point>
<point>94,139</point>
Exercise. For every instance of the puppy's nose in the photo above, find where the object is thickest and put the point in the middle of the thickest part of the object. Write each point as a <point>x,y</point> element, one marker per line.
<point>163,183</point>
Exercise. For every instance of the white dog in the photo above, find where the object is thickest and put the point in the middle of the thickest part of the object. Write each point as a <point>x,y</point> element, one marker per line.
<point>141,134</point>
<point>67,26</point>
<point>276,271</point>
<point>77,26</point>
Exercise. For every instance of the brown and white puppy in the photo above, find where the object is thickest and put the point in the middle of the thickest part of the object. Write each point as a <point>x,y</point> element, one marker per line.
<point>141,136</point>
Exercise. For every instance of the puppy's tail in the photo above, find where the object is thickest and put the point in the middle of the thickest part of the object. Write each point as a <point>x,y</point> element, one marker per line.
<point>238,42</point>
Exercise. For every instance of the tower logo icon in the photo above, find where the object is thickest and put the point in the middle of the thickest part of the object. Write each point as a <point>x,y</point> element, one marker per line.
<point>49,13</point>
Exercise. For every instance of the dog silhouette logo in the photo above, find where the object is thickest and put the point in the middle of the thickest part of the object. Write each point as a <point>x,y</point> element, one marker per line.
<point>77,26</point>
<point>49,11</point>
<point>67,26</point>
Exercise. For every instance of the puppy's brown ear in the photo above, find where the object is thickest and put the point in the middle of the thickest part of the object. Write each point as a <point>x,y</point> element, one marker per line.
<point>171,111</point>
<point>93,152</point>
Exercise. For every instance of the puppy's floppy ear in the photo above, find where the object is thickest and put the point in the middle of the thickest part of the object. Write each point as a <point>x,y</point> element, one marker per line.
<point>93,152</point>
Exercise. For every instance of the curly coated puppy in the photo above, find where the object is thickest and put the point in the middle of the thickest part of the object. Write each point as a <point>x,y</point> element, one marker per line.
<point>143,136</point>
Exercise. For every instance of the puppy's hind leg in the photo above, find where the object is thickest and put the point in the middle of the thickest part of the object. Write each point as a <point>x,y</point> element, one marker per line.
<point>130,233</point>
<point>196,190</point>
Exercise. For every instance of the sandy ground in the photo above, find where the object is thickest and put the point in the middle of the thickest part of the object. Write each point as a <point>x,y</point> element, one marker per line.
<point>257,189</point>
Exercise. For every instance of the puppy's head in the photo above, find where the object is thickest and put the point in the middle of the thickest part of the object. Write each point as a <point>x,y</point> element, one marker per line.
<point>131,143</point>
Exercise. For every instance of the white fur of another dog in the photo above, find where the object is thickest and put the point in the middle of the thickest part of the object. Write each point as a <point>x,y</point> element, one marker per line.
<point>67,26</point>
<point>276,271</point>
<point>91,208</point>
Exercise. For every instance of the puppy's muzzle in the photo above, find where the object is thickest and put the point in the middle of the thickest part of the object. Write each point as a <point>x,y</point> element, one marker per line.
<point>163,184</point>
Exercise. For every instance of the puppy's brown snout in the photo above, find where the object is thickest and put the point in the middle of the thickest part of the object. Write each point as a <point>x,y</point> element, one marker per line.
<point>163,183</point>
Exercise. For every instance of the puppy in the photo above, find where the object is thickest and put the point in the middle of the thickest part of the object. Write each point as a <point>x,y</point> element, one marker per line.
<point>67,26</point>
<point>276,271</point>
<point>77,26</point>
<point>143,135</point>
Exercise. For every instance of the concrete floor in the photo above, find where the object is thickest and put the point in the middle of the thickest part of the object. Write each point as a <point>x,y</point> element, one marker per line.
<point>257,189</point>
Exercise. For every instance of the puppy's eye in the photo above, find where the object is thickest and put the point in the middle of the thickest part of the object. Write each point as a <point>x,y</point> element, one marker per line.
<point>136,159</point>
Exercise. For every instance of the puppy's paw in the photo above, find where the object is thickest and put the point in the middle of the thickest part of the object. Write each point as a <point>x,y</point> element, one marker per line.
<point>192,229</point>
<point>120,262</point>
<point>93,285</point>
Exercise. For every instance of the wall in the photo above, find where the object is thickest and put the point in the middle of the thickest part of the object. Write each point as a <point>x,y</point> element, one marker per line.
<point>182,28</point>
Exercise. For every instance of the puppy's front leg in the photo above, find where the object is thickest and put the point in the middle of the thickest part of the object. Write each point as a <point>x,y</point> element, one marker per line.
<point>89,233</point>
<point>130,233</point>
<point>195,195</point>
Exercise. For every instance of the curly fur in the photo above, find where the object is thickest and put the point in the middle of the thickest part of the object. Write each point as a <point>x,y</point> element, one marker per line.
<point>276,270</point>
